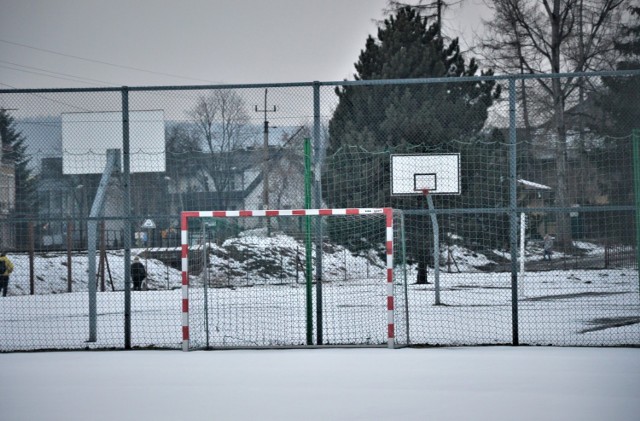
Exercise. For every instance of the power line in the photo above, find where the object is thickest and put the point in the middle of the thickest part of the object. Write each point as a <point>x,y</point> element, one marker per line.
<point>105,62</point>
<point>39,71</point>
<point>49,99</point>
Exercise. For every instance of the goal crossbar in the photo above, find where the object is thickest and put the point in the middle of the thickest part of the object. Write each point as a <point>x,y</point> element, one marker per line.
<point>184,230</point>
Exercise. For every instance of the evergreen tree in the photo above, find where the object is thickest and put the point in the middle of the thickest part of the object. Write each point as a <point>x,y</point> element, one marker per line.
<point>14,152</point>
<point>400,118</point>
<point>407,48</point>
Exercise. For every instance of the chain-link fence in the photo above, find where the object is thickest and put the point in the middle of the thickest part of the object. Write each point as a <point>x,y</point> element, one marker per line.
<point>537,244</point>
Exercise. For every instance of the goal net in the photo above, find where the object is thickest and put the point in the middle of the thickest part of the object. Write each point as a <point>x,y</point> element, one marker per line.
<point>286,278</point>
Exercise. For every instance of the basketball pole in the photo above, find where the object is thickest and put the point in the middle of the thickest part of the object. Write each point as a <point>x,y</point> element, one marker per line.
<point>97,211</point>
<point>436,244</point>
<point>412,174</point>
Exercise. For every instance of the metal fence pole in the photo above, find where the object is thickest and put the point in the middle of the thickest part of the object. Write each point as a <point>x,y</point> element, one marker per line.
<point>403,265</point>
<point>126,162</point>
<point>317,165</point>
<point>513,215</point>
<point>636,183</point>
<point>307,241</point>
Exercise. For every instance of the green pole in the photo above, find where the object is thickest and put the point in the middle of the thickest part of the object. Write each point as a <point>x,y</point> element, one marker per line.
<point>307,239</point>
<point>636,184</point>
<point>403,265</point>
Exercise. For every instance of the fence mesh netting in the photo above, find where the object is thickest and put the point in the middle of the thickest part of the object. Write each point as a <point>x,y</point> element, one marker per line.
<point>255,281</point>
<point>531,166</point>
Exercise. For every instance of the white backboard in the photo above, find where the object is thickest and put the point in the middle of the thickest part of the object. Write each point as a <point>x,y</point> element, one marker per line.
<point>411,173</point>
<point>87,136</point>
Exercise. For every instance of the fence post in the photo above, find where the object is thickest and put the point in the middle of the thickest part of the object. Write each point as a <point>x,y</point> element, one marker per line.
<point>636,184</point>
<point>103,253</point>
<point>69,253</point>
<point>31,239</point>
<point>317,168</point>
<point>513,215</point>
<point>127,212</point>
<point>307,240</point>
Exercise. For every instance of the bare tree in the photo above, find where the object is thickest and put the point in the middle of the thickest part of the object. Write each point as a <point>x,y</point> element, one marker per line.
<point>430,9</point>
<point>554,36</point>
<point>222,121</point>
<point>287,169</point>
<point>183,148</point>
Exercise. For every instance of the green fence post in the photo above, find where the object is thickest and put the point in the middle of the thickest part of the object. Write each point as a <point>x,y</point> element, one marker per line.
<point>307,239</point>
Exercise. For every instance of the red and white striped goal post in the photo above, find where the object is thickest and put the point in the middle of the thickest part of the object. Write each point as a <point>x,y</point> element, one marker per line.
<point>184,229</point>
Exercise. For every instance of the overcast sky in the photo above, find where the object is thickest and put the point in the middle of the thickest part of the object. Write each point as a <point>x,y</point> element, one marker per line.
<point>67,43</point>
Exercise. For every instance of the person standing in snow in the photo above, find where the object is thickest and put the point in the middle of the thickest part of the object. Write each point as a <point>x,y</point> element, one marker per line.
<point>548,247</point>
<point>138,273</point>
<point>6,267</point>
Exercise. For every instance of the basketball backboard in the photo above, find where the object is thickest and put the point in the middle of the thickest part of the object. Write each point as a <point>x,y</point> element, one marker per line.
<point>411,174</point>
<point>86,137</point>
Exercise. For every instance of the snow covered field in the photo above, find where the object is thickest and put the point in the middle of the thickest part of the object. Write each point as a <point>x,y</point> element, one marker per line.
<point>482,383</point>
<point>559,307</point>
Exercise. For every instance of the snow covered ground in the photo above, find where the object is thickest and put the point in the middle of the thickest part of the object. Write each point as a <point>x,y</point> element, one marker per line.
<point>561,307</point>
<point>481,383</point>
<point>257,298</point>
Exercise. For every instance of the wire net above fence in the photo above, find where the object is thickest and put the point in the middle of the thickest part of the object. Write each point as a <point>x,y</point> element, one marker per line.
<point>531,165</point>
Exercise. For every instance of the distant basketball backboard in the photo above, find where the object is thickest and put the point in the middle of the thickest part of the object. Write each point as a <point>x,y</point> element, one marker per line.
<point>413,173</point>
<point>86,137</point>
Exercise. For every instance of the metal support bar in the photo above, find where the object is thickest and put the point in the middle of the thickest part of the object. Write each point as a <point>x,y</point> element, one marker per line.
<point>113,164</point>
<point>436,247</point>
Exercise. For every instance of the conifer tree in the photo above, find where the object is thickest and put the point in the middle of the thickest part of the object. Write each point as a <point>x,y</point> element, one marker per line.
<point>401,118</point>
<point>15,152</point>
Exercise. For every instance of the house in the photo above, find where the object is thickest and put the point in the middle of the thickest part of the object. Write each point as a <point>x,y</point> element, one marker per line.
<point>53,204</point>
<point>237,182</point>
<point>237,179</point>
<point>232,180</point>
<point>535,195</point>
<point>64,201</point>
<point>596,167</point>
<point>7,200</point>
<point>590,179</point>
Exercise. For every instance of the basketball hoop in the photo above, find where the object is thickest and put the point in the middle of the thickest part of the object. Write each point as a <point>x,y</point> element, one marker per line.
<point>425,192</point>
<point>412,173</point>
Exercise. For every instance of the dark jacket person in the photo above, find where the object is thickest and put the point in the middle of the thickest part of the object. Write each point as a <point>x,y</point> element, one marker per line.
<point>6,267</point>
<point>138,274</point>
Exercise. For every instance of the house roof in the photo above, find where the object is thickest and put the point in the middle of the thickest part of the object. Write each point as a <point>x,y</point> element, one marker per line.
<point>531,185</point>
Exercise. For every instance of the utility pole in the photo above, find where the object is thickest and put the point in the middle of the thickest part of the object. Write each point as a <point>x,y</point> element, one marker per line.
<point>265,169</point>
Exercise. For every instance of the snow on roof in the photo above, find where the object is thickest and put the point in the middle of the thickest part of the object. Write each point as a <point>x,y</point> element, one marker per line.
<point>532,185</point>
